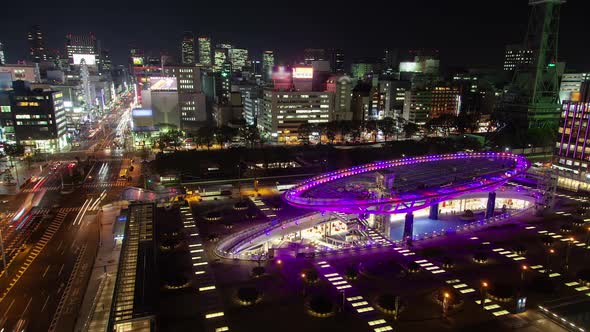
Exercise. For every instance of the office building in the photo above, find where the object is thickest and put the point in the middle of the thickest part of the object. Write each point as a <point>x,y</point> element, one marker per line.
<point>192,100</point>
<point>516,56</point>
<point>341,86</point>
<point>428,102</point>
<point>36,42</point>
<point>393,94</point>
<point>421,64</point>
<point>82,48</point>
<point>29,73</point>
<point>188,48</point>
<point>313,54</point>
<point>2,55</point>
<point>268,63</point>
<point>336,58</point>
<point>205,51</point>
<point>575,87</point>
<point>285,111</point>
<point>105,61</point>
<point>252,105</point>
<point>572,150</point>
<point>390,58</point>
<point>238,58</point>
<point>6,118</point>
<point>220,56</point>
<point>39,118</point>
<point>225,80</point>
<point>360,68</point>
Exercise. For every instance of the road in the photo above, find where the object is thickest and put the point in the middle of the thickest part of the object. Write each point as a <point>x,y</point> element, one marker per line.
<point>52,246</point>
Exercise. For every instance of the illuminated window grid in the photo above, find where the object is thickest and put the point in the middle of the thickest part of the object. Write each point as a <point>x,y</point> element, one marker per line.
<point>582,288</point>
<point>335,278</point>
<point>429,268</point>
<point>330,275</point>
<point>530,227</point>
<point>505,252</point>
<point>519,258</point>
<point>409,254</point>
<point>491,306</point>
<point>486,301</point>
<point>553,275</point>
<point>438,271</point>
<point>343,287</point>
<point>426,264</point>
<point>206,288</point>
<point>453,281</point>
<point>335,283</point>
<point>422,261</point>
<point>460,286</point>
<point>222,329</point>
<point>498,249</point>
<point>534,267</point>
<point>383,329</point>
<point>572,283</point>
<point>542,232</point>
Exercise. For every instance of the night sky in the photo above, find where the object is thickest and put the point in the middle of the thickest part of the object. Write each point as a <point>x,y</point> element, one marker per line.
<point>465,32</point>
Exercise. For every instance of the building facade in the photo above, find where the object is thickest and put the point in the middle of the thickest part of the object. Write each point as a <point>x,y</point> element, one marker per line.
<point>192,101</point>
<point>285,111</point>
<point>572,149</point>
<point>205,51</point>
<point>424,103</point>
<point>515,56</point>
<point>188,48</point>
<point>82,47</point>
<point>39,118</point>
<point>36,42</point>
<point>268,62</point>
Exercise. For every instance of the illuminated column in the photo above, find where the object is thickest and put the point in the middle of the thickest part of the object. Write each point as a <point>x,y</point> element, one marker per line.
<point>408,227</point>
<point>433,212</point>
<point>491,204</point>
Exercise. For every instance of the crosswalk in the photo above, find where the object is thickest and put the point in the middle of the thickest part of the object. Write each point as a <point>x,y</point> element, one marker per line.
<point>36,250</point>
<point>47,188</point>
<point>105,184</point>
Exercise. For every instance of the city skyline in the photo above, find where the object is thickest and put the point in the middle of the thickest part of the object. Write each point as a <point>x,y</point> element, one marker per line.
<point>472,37</point>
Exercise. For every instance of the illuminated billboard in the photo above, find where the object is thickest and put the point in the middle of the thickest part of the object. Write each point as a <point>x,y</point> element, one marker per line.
<point>90,59</point>
<point>303,72</point>
<point>281,74</point>
<point>137,61</point>
<point>410,67</point>
<point>141,112</point>
<point>163,84</point>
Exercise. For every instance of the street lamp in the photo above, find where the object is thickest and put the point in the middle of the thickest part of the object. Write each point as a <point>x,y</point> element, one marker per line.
<point>567,252</point>
<point>445,304</point>
<point>484,294</point>
<point>524,268</point>
<point>549,254</point>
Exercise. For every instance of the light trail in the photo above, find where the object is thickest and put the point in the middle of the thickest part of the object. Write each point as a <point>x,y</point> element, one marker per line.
<point>82,211</point>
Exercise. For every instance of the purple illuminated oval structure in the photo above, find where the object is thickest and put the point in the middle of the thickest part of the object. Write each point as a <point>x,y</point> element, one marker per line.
<point>410,183</point>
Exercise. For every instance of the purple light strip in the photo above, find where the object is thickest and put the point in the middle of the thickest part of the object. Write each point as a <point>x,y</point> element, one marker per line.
<point>569,141</point>
<point>294,195</point>
<point>579,129</point>
<point>567,112</point>
<point>586,134</point>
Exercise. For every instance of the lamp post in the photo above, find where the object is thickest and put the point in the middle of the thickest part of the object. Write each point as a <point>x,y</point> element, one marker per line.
<point>523,270</point>
<point>303,283</point>
<point>567,252</point>
<point>445,303</point>
<point>549,254</point>
<point>484,294</point>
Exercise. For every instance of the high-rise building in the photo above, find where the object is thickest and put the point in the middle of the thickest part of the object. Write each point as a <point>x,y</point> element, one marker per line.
<point>341,86</point>
<point>313,54</point>
<point>105,61</point>
<point>336,58</point>
<point>2,54</point>
<point>226,74</point>
<point>285,111</point>
<point>82,47</point>
<point>390,58</point>
<point>268,62</point>
<point>361,68</point>
<point>220,56</point>
<point>575,87</point>
<point>238,58</point>
<point>29,73</point>
<point>572,150</point>
<point>39,118</point>
<point>190,96</point>
<point>429,102</point>
<point>188,48</point>
<point>205,51</point>
<point>36,41</point>
<point>517,56</point>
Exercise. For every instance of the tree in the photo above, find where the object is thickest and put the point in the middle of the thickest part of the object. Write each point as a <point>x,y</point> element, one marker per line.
<point>330,129</point>
<point>251,134</point>
<point>225,134</point>
<point>205,136</point>
<point>372,128</point>
<point>303,132</point>
<point>387,126</point>
<point>13,151</point>
<point>175,138</point>
<point>466,122</point>
<point>410,129</point>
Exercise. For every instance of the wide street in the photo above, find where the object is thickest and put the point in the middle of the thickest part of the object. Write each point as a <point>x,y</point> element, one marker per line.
<point>51,235</point>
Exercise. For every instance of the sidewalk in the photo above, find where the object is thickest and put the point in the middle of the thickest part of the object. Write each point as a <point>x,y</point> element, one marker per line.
<point>24,172</point>
<point>96,306</point>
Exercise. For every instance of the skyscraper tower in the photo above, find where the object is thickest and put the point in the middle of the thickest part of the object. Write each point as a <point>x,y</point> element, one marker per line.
<point>205,51</point>
<point>268,61</point>
<point>534,92</point>
<point>36,43</point>
<point>2,55</point>
<point>188,48</point>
